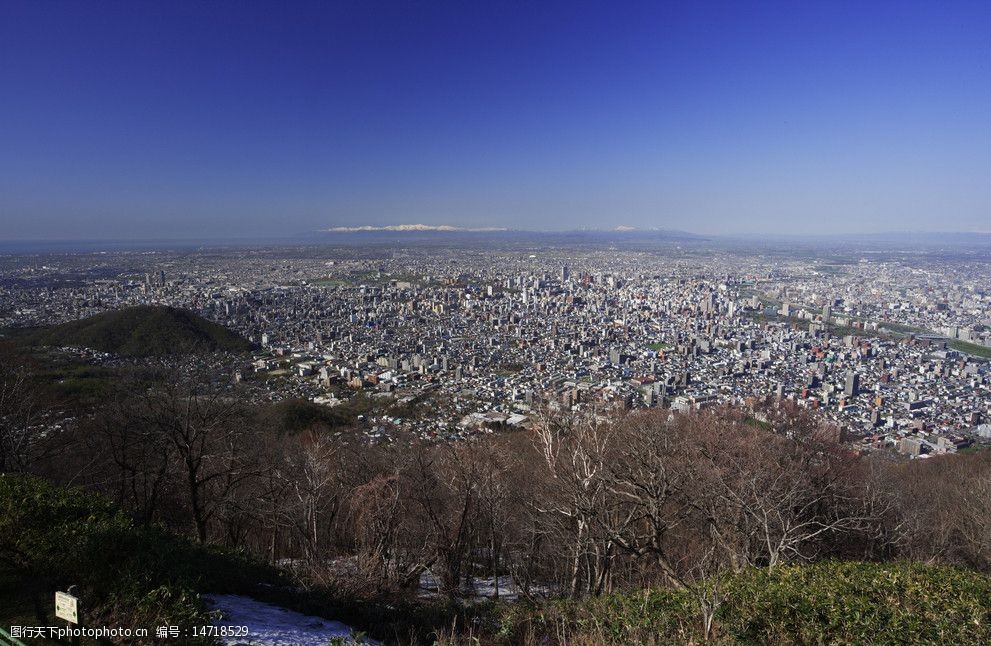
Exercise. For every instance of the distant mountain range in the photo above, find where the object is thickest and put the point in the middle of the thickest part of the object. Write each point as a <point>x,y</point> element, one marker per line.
<point>145,330</point>
<point>445,234</point>
<point>410,227</point>
<point>421,228</point>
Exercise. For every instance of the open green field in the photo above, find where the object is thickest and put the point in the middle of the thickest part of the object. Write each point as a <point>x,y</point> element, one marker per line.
<point>971,348</point>
<point>901,329</point>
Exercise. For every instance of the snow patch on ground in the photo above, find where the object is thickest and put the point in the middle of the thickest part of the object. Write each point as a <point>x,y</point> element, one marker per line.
<point>270,625</point>
<point>474,589</point>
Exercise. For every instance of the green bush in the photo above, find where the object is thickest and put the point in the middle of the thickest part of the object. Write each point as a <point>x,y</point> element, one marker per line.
<point>49,530</point>
<point>830,602</point>
<point>848,602</point>
<point>645,617</point>
<point>128,575</point>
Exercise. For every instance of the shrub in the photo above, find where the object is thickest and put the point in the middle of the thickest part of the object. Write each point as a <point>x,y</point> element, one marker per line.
<point>851,602</point>
<point>127,575</point>
<point>831,602</point>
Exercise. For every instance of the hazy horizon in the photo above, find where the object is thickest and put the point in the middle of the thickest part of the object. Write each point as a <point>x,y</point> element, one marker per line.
<point>414,238</point>
<point>260,120</point>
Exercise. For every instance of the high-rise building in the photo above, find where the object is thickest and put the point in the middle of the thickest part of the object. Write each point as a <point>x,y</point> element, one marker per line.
<point>852,384</point>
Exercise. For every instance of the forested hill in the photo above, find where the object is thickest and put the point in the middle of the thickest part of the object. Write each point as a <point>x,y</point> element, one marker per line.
<point>145,330</point>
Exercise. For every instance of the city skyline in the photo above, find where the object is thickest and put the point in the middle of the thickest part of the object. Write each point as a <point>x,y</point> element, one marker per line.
<point>248,120</point>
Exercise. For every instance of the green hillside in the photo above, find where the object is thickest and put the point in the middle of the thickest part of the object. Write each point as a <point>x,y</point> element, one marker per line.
<point>146,330</point>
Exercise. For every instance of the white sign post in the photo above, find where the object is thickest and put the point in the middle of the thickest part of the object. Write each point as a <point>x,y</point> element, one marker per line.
<point>67,608</point>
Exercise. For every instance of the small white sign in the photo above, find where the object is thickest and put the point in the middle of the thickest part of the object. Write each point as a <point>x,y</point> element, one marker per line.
<point>67,607</point>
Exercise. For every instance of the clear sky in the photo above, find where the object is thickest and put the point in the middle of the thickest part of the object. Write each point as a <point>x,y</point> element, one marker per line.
<point>193,119</point>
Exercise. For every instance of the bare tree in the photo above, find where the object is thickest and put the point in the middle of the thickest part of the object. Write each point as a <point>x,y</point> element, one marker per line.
<point>974,490</point>
<point>941,508</point>
<point>771,497</point>
<point>209,434</point>
<point>497,504</point>
<point>445,488</point>
<point>313,489</point>
<point>649,483</point>
<point>575,455</point>
<point>20,411</point>
<point>141,457</point>
<point>388,546</point>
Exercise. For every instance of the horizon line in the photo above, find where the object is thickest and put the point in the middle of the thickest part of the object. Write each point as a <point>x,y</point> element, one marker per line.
<point>448,229</point>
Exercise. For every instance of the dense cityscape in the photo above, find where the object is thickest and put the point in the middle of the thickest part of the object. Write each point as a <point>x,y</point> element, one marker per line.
<point>890,347</point>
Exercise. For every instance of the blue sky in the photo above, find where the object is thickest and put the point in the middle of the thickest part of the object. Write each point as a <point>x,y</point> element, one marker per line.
<point>207,119</point>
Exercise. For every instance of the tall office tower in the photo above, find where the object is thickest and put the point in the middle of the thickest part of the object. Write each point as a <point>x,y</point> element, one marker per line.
<point>827,313</point>
<point>852,384</point>
<point>565,273</point>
